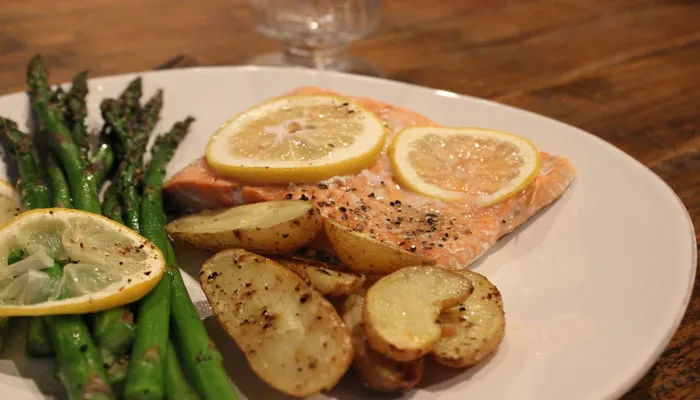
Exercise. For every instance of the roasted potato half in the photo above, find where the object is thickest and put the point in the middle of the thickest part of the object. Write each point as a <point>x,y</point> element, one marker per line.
<point>324,277</point>
<point>401,310</point>
<point>293,338</point>
<point>376,371</point>
<point>271,227</point>
<point>364,254</point>
<point>474,329</point>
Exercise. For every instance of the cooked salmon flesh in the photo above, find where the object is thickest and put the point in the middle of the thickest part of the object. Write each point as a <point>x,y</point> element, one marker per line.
<point>454,234</point>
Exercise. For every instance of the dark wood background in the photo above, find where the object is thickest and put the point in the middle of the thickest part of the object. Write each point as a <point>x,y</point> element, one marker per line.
<point>625,70</point>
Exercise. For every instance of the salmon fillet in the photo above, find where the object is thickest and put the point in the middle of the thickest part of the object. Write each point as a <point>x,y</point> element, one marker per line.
<point>455,234</point>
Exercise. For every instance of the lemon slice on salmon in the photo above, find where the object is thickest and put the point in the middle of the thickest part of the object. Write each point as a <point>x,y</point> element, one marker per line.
<point>105,264</point>
<point>10,205</point>
<point>298,138</point>
<point>481,166</point>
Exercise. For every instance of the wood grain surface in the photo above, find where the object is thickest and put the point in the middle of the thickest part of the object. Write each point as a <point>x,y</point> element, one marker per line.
<point>625,70</point>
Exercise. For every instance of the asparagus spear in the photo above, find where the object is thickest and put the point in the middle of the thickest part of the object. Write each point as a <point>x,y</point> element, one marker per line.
<point>61,192</point>
<point>176,386</point>
<point>102,162</point>
<point>145,379</point>
<point>33,191</point>
<point>110,206</point>
<point>104,158</point>
<point>122,115</point>
<point>58,98</point>
<point>151,112</point>
<point>116,374</point>
<point>15,255</point>
<point>131,96</point>
<point>130,169</point>
<point>79,366</point>
<point>82,184</point>
<point>38,344</point>
<point>76,112</point>
<point>202,360</point>
<point>34,194</point>
<point>114,331</point>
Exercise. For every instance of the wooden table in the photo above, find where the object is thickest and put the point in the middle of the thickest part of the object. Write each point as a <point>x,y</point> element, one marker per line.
<point>625,70</point>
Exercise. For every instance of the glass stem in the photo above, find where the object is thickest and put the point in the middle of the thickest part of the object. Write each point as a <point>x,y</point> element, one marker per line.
<point>311,57</point>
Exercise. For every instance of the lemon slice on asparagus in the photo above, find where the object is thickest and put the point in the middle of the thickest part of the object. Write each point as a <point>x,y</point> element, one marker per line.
<point>10,205</point>
<point>299,138</point>
<point>480,166</point>
<point>105,264</point>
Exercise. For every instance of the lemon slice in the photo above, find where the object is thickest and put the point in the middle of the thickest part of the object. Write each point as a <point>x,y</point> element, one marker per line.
<point>468,164</point>
<point>300,138</point>
<point>106,264</point>
<point>10,205</point>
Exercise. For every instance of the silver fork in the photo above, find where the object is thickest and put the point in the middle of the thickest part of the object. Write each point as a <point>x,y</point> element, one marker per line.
<point>179,61</point>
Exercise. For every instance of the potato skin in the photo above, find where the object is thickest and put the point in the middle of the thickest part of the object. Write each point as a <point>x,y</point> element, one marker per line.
<point>401,310</point>
<point>364,254</point>
<point>328,279</point>
<point>376,371</point>
<point>291,336</point>
<point>283,237</point>
<point>474,329</point>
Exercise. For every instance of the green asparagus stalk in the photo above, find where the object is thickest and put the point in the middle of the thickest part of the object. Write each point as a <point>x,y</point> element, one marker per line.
<point>114,330</point>
<point>145,379</point>
<point>114,336</point>
<point>58,98</point>
<point>150,115</point>
<point>176,386</point>
<point>116,374</point>
<point>34,194</point>
<point>110,206</point>
<point>38,344</point>
<point>76,112</point>
<point>79,366</point>
<point>201,358</point>
<point>131,96</point>
<point>133,127</point>
<point>122,115</point>
<point>102,162</point>
<point>33,191</point>
<point>15,256</point>
<point>128,191</point>
<point>59,185</point>
<point>123,121</point>
<point>82,183</point>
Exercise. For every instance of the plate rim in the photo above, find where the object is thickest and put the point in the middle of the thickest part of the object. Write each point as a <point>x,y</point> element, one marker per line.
<point>637,372</point>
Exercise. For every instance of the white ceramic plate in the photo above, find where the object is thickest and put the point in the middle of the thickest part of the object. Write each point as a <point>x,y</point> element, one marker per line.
<point>594,287</point>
